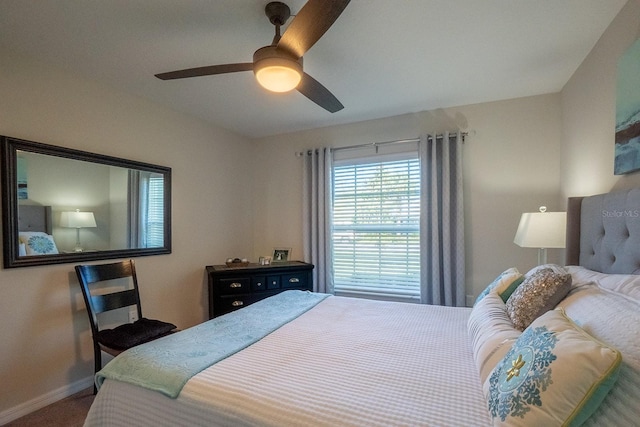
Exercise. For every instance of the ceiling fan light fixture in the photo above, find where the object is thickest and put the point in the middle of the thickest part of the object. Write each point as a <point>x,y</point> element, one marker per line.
<point>278,66</point>
<point>275,71</point>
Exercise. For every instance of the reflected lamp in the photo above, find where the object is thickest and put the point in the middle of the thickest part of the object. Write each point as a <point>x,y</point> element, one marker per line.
<point>76,219</point>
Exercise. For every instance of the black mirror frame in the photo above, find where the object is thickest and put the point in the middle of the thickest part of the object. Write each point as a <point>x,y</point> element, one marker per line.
<point>10,147</point>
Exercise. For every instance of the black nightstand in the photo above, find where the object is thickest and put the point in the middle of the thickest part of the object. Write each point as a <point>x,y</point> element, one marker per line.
<point>231,288</point>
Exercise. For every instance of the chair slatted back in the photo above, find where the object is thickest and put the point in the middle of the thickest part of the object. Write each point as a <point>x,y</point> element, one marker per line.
<point>99,303</point>
<point>108,302</point>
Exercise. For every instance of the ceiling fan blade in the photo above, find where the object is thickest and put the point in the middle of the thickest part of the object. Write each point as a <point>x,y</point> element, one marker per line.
<point>319,94</point>
<point>206,71</point>
<point>311,22</point>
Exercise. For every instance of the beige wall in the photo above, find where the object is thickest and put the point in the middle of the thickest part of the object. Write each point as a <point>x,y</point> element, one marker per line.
<point>588,113</point>
<point>511,165</point>
<point>46,346</point>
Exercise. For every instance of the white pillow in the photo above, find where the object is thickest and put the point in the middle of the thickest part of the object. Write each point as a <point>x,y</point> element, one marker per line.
<point>492,333</point>
<point>613,318</point>
<point>627,284</point>
<point>38,243</point>
<point>554,374</point>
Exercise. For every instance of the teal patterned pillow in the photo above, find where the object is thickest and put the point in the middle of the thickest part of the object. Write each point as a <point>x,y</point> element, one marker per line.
<point>38,243</point>
<point>504,285</point>
<point>555,374</point>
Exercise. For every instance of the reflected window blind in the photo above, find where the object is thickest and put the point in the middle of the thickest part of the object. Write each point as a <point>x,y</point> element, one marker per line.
<point>376,228</point>
<point>155,213</point>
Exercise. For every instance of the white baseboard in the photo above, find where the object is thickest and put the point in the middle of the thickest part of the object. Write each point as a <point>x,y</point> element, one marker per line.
<point>44,400</point>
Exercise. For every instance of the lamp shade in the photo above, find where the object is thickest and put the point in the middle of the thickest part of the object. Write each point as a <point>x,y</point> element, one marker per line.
<point>77,219</point>
<point>542,230</point>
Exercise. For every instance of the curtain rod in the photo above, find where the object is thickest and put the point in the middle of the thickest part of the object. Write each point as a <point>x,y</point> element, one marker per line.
<point>377,144</point>
<point>399,141</point>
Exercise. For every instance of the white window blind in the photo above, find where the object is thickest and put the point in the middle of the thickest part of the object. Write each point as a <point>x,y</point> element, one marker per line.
<point>376,228</point>
<point>155,212</point>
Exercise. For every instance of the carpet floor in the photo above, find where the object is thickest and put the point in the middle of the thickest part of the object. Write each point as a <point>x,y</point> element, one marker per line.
<point>68,412</point>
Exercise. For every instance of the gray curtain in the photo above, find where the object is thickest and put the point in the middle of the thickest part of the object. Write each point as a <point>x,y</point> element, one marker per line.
<point>442,221</point>
<point>316,221</point>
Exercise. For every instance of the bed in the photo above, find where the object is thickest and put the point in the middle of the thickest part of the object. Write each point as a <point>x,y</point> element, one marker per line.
<point>300,358</point>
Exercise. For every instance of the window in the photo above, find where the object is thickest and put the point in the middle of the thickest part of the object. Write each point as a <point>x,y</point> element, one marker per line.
<point>155,211</point>
<point>376,227</point>
<point>146,201</point>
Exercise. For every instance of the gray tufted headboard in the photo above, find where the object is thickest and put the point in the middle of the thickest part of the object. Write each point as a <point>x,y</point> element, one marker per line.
<point>34,218</point>
<point>603,232</point>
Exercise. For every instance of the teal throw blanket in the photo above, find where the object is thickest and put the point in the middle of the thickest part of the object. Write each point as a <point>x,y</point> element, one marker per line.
<point>166,364</point>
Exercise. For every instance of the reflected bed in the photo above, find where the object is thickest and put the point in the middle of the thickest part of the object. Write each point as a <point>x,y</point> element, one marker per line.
<point>35,231</point>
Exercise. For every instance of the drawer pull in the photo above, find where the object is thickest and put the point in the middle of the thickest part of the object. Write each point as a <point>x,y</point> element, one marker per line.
<point>235,285</point>
<point>237,303</point>
<point>294,280</point>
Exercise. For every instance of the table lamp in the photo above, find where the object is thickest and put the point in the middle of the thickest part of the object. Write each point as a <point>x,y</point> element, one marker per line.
<point>542,230</point>
<point>77,220</point>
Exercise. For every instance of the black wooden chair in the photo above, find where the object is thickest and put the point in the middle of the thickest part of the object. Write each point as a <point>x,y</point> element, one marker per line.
<point>120,275</point>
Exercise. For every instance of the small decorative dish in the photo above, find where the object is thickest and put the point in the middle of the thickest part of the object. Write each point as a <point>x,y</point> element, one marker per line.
<point>237,262</point>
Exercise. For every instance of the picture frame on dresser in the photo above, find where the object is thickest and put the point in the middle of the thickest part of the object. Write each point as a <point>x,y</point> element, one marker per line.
<point>281,254</point>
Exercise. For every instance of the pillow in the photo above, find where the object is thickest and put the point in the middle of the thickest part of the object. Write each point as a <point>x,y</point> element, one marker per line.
<point>504,284</point>
<point>613,318</point>
<point>555,267</point>
<point>538,293</point>
<point>492,333</point>
<point>555,374</point>
<point>131,334</point>
<point>38,243</point>
<point>24,235</point>
<point>627,284</point>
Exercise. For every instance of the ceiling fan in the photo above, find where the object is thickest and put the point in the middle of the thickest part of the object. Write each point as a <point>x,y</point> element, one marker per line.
<point>278,66</point>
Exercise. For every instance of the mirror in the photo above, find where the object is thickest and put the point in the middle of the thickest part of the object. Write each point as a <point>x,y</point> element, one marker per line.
<point>61,205</point>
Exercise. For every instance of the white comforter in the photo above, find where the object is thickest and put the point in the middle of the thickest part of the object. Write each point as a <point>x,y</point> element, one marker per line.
<point>346,362</point>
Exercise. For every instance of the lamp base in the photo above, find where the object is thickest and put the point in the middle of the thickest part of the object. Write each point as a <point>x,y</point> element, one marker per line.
<point>542,256</point>
<point>78,247</point>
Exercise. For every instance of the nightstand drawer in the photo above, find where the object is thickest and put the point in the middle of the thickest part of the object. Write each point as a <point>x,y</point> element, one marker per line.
<point>238,285</point>
<point>295,280</point>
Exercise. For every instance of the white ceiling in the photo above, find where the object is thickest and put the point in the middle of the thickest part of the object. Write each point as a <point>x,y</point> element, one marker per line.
<point>381,58</point>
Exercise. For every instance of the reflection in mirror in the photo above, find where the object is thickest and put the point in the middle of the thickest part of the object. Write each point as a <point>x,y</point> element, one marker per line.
<point>62,205</point>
